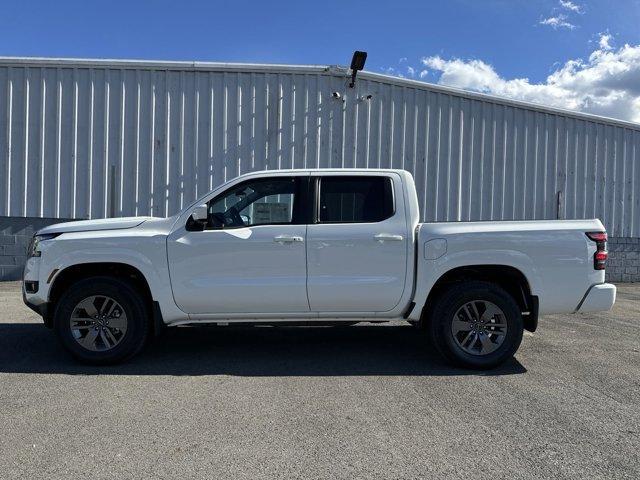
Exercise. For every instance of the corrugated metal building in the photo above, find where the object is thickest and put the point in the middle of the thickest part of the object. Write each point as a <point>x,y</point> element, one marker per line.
<point>93,139</point>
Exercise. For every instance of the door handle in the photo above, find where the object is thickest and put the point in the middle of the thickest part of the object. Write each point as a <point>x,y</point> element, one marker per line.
<point>287,239</point>
<point>387,237</point>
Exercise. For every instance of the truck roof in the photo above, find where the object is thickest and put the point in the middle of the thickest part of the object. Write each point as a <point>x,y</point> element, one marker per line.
<point>325,170</point>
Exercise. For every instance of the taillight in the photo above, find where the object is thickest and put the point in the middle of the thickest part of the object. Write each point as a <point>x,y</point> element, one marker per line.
<point>601,255</point>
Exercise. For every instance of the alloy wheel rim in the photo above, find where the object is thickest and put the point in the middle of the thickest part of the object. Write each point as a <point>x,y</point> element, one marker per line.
<point>479,327</point>
<point>98,323</point>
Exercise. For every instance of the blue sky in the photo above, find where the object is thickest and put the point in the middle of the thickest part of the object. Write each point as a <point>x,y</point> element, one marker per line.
<point>515,39</point>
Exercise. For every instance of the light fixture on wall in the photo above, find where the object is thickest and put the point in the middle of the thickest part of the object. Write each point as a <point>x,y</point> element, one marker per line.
<point>357,63</point>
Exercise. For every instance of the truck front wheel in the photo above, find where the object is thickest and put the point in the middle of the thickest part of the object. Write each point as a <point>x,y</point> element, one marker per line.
<point>476,325</point>
<point>102,320</point>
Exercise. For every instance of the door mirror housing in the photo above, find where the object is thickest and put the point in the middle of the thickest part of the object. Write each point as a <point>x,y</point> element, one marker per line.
<point>198,219</point>
<point>199,213</point>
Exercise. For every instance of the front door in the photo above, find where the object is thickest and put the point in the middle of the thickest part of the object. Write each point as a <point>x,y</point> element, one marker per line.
<point>250,258</point>
<point>358,245</point>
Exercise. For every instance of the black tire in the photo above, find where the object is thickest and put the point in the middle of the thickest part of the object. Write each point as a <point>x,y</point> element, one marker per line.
<point>124,293</point>
<point>443,314</point>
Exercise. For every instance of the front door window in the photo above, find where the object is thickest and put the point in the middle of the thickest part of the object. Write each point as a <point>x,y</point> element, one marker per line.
<point>256,202</point>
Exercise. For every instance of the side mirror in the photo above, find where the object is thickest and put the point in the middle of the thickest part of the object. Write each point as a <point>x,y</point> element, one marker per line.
<point>199,213</point>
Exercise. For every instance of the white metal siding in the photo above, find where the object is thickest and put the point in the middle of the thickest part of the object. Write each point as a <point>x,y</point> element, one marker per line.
<point>96,139</point>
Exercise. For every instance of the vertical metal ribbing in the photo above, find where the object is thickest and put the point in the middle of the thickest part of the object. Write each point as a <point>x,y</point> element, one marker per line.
<point>634,227</point>
<point>305,124</point>
<point>634,185</point>
<point>461,152</point>
<point>436,173</point>
<point>251,124</point>
<point>292,120</point>
<point>152,130</point>
<point>59,97</point>
<point>425,181</point>
<point>121,140</point>
<point>473,179</point>
<point>106,135</point>
<point>74,143</point>
<point>164,185</point>
<point>9,139</point>
<point>320,110</point>
<point>43,137</point>
<point>225,126</point>
<point>181,140</point>
<point>136,194</point>
<point>26,144</point>
<point>196,138</point>
<point>90,146</point>
<point>211,136</point>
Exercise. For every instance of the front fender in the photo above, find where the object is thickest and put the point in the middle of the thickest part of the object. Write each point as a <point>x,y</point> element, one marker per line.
<point>146,254</point>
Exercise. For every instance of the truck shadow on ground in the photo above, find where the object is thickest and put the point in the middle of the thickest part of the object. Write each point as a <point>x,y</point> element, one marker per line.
<point>247,351</point>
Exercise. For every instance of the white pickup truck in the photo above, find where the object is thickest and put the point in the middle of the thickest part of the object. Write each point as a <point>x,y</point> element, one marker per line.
<point>313,247</point>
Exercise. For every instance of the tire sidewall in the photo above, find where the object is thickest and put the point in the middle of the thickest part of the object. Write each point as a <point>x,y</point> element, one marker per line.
<point>126,296</point>
<point>446,309</point>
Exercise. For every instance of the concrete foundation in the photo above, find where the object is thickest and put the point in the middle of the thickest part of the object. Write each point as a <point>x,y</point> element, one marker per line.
<point>15,235</point>
<point>624,259</point>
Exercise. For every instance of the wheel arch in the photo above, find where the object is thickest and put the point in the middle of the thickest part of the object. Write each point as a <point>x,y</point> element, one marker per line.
<point>74,273</point>
<point>509,278</point>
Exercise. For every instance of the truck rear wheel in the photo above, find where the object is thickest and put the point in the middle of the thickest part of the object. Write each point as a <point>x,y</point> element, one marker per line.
<point>102,320</point>
<point>476,325</point>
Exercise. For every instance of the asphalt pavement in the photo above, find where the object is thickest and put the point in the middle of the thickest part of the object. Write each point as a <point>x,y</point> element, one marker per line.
<point>369,401</point>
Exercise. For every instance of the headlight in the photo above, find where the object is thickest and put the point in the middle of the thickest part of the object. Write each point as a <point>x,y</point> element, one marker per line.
<point>34,246</point>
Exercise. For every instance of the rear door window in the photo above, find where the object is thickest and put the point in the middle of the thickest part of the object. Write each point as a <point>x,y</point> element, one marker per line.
<point>355,199</point>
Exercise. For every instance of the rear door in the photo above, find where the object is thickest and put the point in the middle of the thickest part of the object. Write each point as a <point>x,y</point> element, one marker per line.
<point>357,245</point>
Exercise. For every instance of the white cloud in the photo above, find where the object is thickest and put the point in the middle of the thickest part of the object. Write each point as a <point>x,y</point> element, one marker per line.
<point>411,71</point>
<point>569,5</point>
<point>558,21</point>
<point>607,83</point>
<point>605,41</point>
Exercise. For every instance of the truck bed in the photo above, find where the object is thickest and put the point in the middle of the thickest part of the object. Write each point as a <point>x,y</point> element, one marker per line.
<point>555,256</point>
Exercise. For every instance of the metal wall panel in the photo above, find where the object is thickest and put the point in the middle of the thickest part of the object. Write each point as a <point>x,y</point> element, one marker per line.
<point>95,139</point>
